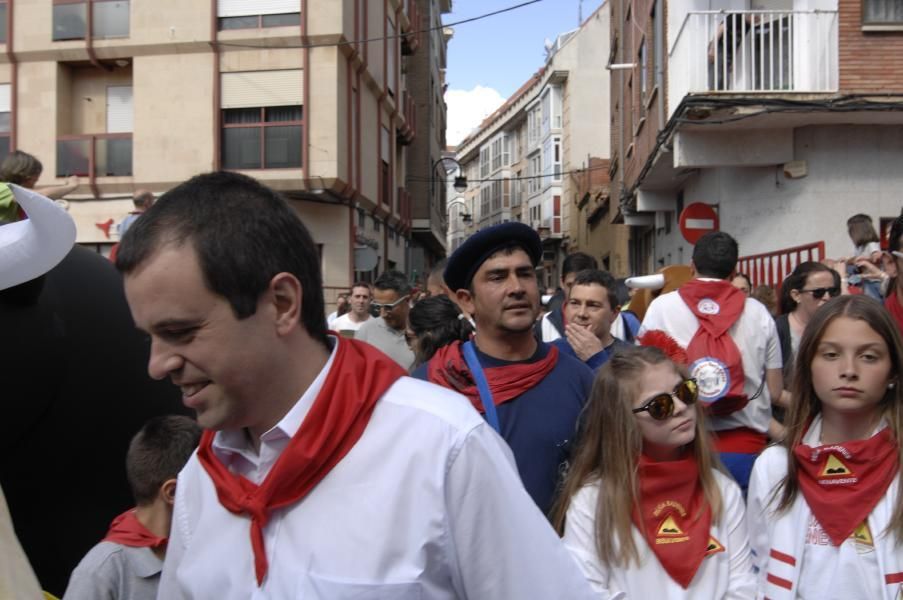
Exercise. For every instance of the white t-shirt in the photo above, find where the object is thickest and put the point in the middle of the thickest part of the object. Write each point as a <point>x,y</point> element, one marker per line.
<point>844,572</point>
<point>757,340</point>
<point>727,574</point>
<point>427,505</point>
<point>344,323</point>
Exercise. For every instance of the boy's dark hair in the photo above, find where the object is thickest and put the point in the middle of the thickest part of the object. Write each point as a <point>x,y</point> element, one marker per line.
<point>603,278</point>
<point>393,280</point>
<point>715,255</point>
<point>158,452</point>
<point>576,262</point>
<point>244,234</point>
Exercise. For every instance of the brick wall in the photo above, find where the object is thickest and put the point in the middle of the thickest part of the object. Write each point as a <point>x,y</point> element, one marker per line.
<point>870,61</point>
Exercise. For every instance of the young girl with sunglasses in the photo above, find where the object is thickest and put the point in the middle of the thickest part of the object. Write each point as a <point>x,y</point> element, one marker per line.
<point>825,513</point>
<point>644,509</point>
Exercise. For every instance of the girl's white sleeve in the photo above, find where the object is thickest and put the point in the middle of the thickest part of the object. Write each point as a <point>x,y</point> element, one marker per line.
<point>580,540</point>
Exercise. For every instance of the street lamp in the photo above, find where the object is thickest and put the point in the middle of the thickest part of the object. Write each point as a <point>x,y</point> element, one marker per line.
<point>466,217</point>
<point>460,184</point>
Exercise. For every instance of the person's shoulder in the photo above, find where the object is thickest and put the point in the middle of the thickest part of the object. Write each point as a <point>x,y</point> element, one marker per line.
<point>772,462</point>
<point>100,559</point>
<point>432,401</point>
<point>568,361</point>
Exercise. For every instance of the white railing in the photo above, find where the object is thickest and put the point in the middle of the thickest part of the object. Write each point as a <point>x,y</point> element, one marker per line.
<point>753,51</point>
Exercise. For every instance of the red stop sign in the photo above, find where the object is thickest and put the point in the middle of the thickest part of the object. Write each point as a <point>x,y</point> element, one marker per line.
<point>696,220</point>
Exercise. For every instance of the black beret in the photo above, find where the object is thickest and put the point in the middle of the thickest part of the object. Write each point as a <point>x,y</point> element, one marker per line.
<point>466,260</point>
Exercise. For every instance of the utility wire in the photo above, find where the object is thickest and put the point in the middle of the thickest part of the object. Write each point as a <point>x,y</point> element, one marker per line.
<point>382,38</point>
<point>521,178</point>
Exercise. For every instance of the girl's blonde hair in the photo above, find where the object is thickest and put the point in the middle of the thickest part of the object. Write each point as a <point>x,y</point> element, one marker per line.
<point>805,405</point>
<point>608,449</point>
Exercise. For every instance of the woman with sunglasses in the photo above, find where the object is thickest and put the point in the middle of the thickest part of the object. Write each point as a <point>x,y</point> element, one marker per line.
<point>809,286</point>
<point>644,509</point>
<point>825,511</point>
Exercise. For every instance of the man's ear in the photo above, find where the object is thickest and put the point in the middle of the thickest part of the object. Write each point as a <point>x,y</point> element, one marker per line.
<point>168,491</point>
<point>465,301</point>
<point>286,296</point>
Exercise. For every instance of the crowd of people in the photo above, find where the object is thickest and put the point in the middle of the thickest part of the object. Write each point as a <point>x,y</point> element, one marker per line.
<point>454,441</point>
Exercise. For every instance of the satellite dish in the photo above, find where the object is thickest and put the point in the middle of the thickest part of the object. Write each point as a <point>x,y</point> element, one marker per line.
<point>365,258</point>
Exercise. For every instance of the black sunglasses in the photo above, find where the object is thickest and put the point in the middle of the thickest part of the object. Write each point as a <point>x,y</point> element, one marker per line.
<point>819,293</point>
<point>661,406</point>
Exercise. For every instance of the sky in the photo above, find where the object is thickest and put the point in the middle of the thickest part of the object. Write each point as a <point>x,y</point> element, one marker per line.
<point>489,59</point>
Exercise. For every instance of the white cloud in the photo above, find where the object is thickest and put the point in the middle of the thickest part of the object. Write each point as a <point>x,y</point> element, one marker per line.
<point>467,109</point>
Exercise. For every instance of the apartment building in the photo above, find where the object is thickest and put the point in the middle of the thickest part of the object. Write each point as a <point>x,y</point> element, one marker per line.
<point>312,98</point>
<point>530,160</point>
<point>784,116</point>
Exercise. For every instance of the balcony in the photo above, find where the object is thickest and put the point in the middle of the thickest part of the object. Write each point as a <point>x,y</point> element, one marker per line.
<point>102,154</point>
<point>752,52</point>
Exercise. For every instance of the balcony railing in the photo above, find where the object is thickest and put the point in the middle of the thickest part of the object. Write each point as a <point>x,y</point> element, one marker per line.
<point>103,154</point>
<point>753,51</point>
<point>770,268</point>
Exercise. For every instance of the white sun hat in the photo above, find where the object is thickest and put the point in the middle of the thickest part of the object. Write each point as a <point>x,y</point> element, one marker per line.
<point>31,247</point>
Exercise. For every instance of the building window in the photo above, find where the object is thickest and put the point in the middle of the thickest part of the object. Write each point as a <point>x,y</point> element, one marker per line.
<point>253,14</point>
<point>361,219</point>
<point>262,138</point>
<point>70,19</point>
<point>5,119</point>
<point>644,75</point>
<point>375,224</point>
<point>3,4</point>
<point>883,12</point>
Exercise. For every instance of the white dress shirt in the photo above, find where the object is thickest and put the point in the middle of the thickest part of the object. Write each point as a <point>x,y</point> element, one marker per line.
<point>427,505</point>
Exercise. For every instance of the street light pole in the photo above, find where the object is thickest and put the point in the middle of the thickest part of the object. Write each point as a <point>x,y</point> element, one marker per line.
<point>460,184</point>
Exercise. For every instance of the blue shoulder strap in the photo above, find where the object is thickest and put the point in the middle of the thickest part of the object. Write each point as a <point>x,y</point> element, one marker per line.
<point>470,357</point>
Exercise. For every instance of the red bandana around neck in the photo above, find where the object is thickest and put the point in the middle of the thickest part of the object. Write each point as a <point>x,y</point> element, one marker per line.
<point>673,515</point>
<point>892,303</point>
<point>714,358</point>
<point>127,530</point>
<point>360,374</point>
<point>448,369</point>
<point>842,483</point>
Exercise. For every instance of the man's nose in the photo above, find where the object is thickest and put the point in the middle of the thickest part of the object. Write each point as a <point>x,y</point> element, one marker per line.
<point>162,361</point>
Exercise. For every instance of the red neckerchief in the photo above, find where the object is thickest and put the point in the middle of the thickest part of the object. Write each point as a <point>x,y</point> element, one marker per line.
<point>127,530</point>
<point>673,515</point>
<point>448,369</point>
<point>359,376</point>
<point>892,303</point>
<point>842,483</point>
<point>715,360</point>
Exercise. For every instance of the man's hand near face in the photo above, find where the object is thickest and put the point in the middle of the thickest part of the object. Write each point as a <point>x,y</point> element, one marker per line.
<point>582,340</point>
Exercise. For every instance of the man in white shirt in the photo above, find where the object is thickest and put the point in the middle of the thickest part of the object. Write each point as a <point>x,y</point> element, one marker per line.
<point>353,480</point>
<point>738,384</point>
<point>360,309</point>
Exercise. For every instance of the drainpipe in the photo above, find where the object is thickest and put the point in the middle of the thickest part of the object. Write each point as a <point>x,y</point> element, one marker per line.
<point>14,76</point>
<point>217,118</point>
<point>660,60</point>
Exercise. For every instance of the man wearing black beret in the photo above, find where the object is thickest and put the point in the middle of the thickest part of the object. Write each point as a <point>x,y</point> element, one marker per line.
<point>528,392</point>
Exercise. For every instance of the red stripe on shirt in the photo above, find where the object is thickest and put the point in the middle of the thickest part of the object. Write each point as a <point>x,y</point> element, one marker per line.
<point>782,557</point>
<point>779,582</point>
<point>893,578</point>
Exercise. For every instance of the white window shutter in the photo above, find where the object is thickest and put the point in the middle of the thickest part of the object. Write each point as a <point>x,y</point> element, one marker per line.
<point>249,89</point>
<point>120,113</point>
<point>241,8</point>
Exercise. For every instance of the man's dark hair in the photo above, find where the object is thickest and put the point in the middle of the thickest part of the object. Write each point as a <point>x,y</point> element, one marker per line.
<point>715,255</point>
<point>358,284</point>
<point>158,452</point>
<point>244,234</point>
<point>896,233</point>
<point>393,280</point>
<point>436,321</point>
<point>598,277</point>
<point>576,262</point>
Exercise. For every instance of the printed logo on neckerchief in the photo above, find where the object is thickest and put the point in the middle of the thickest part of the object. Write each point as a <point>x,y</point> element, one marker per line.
<point>714,546</point>
<point>834,471</point>
<point>669,532</point>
